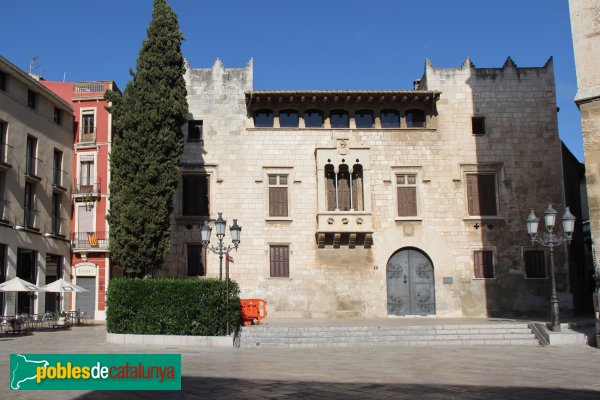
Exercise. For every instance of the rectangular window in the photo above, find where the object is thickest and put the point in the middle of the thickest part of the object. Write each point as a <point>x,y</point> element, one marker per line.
<point>26,270</point>
<point>278,195</point>
<point>535,263</point>
<point>194,195</point>
<point>196,264</point>
<point>28,205</point>
<point>2,272</point>
<point>406,185</point>
<point>484,264</point>
<point>3,202</point>
<point>31,99</point>
<point>57,116</point>
<point>57,168</point>
<point>86,176</point>
<point>88,126</point>
<point>3,144</point>
<point>481,194</point>
<point>56,219</point>
<point>30,156</point>
<point>195,131</point>
<point>478,125</point>
<point>280,261</point>
<point>3,79</point>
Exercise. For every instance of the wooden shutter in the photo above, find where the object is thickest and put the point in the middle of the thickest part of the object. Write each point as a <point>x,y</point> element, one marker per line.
<point>196,260</point>
<point>278,201</point>
<point>344,190</point>
<point>407,201</point>
<point>484,264</point>
<point>481,194</point>
<point>280,261</point>
<point>330,188</point>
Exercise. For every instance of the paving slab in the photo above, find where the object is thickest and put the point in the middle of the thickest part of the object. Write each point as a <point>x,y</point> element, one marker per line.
<point>436,372</point>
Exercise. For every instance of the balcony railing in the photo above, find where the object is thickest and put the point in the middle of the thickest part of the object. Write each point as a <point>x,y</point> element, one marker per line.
<point>88,88</point>
<point>32,167</point>
<point>4,208</point>
<point>87,134</point>
<point>89,241</point>
<point>30,217</point>
<point>84,188</point>
<point>57,226</point>
<point>60,179</point>
<point>6,155</point>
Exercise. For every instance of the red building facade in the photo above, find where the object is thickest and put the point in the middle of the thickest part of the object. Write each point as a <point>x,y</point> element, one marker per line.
<point>90,260</point>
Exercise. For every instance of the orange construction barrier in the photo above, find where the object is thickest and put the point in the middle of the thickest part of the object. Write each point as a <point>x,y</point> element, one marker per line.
<point>253,310</point>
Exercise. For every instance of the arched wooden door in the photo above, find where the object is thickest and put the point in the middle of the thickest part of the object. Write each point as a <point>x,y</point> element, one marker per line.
<point>410,284</point>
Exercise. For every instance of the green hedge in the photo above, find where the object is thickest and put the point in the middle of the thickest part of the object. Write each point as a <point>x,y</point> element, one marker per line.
<point>171,306</point>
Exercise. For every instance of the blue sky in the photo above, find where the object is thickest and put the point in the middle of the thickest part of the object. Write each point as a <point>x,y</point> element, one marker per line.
<point>321,44</point>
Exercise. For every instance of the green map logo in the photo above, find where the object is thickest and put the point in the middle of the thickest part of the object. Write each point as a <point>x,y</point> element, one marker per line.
<point>95,372</point>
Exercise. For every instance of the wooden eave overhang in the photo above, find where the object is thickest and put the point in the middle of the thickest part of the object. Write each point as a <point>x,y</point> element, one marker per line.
<point>330,98</point>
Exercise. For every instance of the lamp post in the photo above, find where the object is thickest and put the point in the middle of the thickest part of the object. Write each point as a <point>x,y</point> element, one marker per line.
<point>221,249</point>
<point>551,240</point>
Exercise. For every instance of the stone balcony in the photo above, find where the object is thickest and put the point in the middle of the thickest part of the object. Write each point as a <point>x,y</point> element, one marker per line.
<point>344,228</point>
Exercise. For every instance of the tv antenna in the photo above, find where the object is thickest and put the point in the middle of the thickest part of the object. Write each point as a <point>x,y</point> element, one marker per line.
<point>34,67</point>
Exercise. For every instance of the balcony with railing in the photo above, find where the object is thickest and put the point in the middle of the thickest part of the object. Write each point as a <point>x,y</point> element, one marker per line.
<point>87,136</point>
<point>30,218</point>
<point>89,241</point>
<point>86,189</point>
<point>60,179</point>
<point>32,168</point>
<point>6,157</point>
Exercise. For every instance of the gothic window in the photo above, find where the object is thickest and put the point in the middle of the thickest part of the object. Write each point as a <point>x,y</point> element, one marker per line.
<point>364,119</point>
<point>340,119</point>
<point>415,119</point>
<point>288,119</point>
<point>263,119</point>
<point>313,119</point>
<point>344,188</point>
<point>389,119</point>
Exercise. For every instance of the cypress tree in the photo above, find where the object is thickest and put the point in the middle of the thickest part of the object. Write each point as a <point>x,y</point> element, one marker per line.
<point>147,146</point>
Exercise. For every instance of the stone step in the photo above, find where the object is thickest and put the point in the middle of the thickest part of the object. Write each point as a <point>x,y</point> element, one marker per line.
<point>418,335</point>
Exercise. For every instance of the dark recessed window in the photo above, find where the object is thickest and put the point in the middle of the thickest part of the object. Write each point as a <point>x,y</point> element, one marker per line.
<point>478,124</point>
<point>364,119</point>
<point>288,119</point>
<point>194,195</point>
<point>196,260</point>
<point>263,119</point>
<point>313,119</point>
<point>415,118</point>
<point>3,81</point>
<point>339,119</point>
<point>195,131</point>
<point>390,119</point>
<point>31,99</point>
<point>535,263</point>
<point>481,194</point>
<point>57,116</point>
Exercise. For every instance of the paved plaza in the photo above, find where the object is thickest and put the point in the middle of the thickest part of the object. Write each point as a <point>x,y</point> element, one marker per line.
<point>493,372</point>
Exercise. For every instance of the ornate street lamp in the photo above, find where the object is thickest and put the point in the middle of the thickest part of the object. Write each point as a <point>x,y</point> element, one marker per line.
<point>220,249</point>
<point>550,239</point>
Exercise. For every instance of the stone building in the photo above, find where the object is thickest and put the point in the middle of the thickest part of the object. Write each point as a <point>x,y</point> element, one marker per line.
<point>36,152</point>
<point>585,28</point>
<point>376,203</point>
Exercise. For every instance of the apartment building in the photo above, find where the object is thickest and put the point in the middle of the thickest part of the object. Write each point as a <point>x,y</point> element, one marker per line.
<point>90,261</point>
<point>36,153</point>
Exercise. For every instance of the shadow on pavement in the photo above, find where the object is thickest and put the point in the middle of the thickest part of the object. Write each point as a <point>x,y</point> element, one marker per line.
<point>218,388</point>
